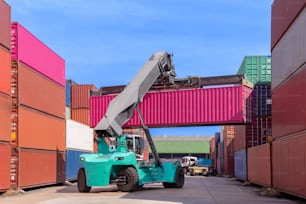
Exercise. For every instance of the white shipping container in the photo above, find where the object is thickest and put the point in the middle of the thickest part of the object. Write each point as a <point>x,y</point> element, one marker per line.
<point>79,136</point>
<point>68,113</point>
<point>290,52</point>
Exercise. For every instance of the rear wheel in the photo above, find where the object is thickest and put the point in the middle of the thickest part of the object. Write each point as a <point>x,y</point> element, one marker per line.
<point>131,177</point>
<point>82,185</point>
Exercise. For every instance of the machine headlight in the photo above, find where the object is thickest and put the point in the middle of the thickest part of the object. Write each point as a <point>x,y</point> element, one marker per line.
<point>82,158</point>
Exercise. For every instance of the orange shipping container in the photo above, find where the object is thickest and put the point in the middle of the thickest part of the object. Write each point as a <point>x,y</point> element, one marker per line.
<point>240,137</point>
<point>5,161</point>
<point>5,118</point>
<point>259,165</point>
<point>80,95</point>
<point>289,156</point>
<point>39,92</point>
<point>39,130</point>
<point>38,167</point>
<point>228,131</point>
<point>81,115</point>
<point>5,25</point>
<point>5,71</point>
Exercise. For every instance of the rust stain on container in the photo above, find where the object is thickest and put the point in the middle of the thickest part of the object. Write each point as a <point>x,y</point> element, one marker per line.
<point>80,95</point>
<point>5,70</point>
<point>289,106</point>
<point>259,165</point>
<point>289,169</point>
<point>40,167</point>
<point>283,14</point>
<point>81,115</point>
<point>5,118</point>
<point>184,107</point>
<point>40,130</point>
<point>39,92</point>
<point>5,25</point>
<point>5,161</point>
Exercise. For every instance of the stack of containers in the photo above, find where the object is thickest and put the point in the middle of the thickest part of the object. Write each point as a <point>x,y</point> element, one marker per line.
<point>5,92</point>
<point>256,69</point>
<point>80,102</point>
<point>212,152</point>
<point>289,96</point>
<point>217,149</point>
<point>227,138</point>
<point>38,112</point>
<point>79,136</point>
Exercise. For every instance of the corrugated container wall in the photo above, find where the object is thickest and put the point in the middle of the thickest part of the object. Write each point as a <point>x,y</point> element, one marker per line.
<point>259,165</point>
<point>284,13</point>
<point>5,167</point>
<point>212,106</point>
<point>289,55</point>
<point>5,71</point>
<point>241,165</point>
<point>79,136</point>
<point>41,167</point>
<point>5,117</point>
<point>5,25</point>
<point>81,115</point>
<point>80,95</point>
<point>38,92</point>
<point>289,156</point>
<point>262,104</point>
<point>289,106</point>
<point>257,69</point>
<point>34,53</point>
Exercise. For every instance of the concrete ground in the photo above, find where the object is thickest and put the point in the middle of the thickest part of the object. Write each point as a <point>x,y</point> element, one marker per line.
<point>198,189</point>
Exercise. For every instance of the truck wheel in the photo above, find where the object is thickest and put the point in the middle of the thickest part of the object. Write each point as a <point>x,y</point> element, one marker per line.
<point>179,179</point>
<point>82,185</point>
<point>131,179</point>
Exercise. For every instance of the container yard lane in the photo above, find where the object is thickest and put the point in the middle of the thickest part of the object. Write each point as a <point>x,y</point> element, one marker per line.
<point>197,189</point>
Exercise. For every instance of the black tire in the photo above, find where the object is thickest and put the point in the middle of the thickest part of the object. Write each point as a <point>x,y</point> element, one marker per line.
<point>82,185</point>
<point>179,179</point>
<point>131,179</point>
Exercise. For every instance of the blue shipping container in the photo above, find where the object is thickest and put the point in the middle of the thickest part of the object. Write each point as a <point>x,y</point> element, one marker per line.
<point>69,83</point>
<point>73,163</point>
<point>241,165</point>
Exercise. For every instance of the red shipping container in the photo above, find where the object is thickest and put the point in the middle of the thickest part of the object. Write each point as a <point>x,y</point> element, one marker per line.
<point>228,132</point>
<point>212,146</point>
<point>5,118</point>
<point>229,167</point>
<point>40,167</point>
<point>283,14</point>
<point>259,165</point>
<point>80,95</point>
<point>290,54</point>
<point>5,167</point>
<point>38,130</point>
<point>5,71</point>
<point>5,25</point>
<point>240,137</point>
<point>289,156</point>
<point>289,106</point>
<point>228,147</point>
<point>34,53</point>
<point>38,92</point>
<point>81,115</point>
<point>211,106</point>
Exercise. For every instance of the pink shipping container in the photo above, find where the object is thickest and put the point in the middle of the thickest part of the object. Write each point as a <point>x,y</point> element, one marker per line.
<point>80,95</point>
<point>259,165</point>
<point>211,106</point>
<point>289,156</point>
<point>34,53</point>
<point>283,14</point>
<point>289,106</point>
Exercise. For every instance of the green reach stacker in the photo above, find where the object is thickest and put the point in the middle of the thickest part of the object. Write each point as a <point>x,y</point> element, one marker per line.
<point>118,162</point>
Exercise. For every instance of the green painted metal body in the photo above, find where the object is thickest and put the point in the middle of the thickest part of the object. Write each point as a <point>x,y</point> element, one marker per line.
<point>101,167</point>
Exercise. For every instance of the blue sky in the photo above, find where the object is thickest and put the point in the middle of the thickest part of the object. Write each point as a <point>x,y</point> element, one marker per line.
<point>105,43</point>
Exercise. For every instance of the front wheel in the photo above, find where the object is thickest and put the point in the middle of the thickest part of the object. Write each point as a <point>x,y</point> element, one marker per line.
<point>131,182</point>
<point>82,185</point>
<point>179,179</point>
